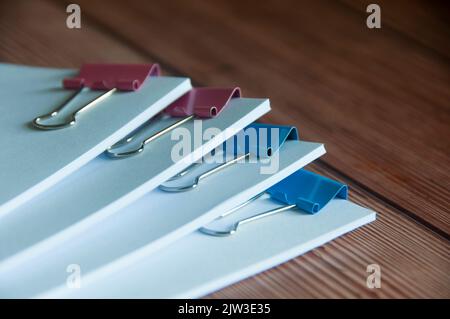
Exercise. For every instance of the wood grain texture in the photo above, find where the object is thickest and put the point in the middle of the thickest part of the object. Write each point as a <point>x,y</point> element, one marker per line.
<point>378,100</point>
<point>308,84</point>
<point>424,21</point>
<point>35,33</point>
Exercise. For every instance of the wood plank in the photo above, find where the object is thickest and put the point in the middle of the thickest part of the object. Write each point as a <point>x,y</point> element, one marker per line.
<point>35,33</point>
<point>424,21</point>
<point>378,100</point>
<point>414,260</point>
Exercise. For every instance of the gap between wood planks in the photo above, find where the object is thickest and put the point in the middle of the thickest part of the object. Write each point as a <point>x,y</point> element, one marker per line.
<point>320,162</point>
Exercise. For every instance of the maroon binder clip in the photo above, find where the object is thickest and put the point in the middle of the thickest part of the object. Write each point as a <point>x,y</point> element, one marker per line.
<point>109,77</point>
<point>124,77</point>
<point>202,102</point>
<point>198,102</point>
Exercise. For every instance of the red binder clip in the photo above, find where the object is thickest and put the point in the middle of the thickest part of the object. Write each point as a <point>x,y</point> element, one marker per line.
<point>110,77</point>
<point>198,102</point>
<point>202,102</point>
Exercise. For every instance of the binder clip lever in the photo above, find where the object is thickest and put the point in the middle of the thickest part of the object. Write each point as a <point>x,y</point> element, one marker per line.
<point>37,122</point>
<point>111,153</point>
<point>201,176</point>
<point>235,225</point>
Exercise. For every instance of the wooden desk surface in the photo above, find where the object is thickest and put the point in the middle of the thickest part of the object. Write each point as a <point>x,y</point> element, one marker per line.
<point>379,100</point>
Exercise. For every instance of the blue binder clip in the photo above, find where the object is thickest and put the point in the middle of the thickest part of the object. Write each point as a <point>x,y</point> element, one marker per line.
<point>269,138</point>
<point>263,141</point>
<point>308,191</point>
<point>304,190</point>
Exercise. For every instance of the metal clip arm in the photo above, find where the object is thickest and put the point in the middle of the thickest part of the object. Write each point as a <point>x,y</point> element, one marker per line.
<point>235,225</point>
<point>111,153</point>
<point>37,122</point>
<point>202,176</point>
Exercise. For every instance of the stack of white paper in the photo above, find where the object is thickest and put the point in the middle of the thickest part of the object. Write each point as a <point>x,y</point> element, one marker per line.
<point>105,230</point>
<point>33,160</point>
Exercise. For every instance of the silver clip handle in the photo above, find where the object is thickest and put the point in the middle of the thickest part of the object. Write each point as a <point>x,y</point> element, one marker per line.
<point>184,172</point>
<point>234,227</point>
<point>37,122</point>
<point>111,153</point>
<point>202,176</point>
